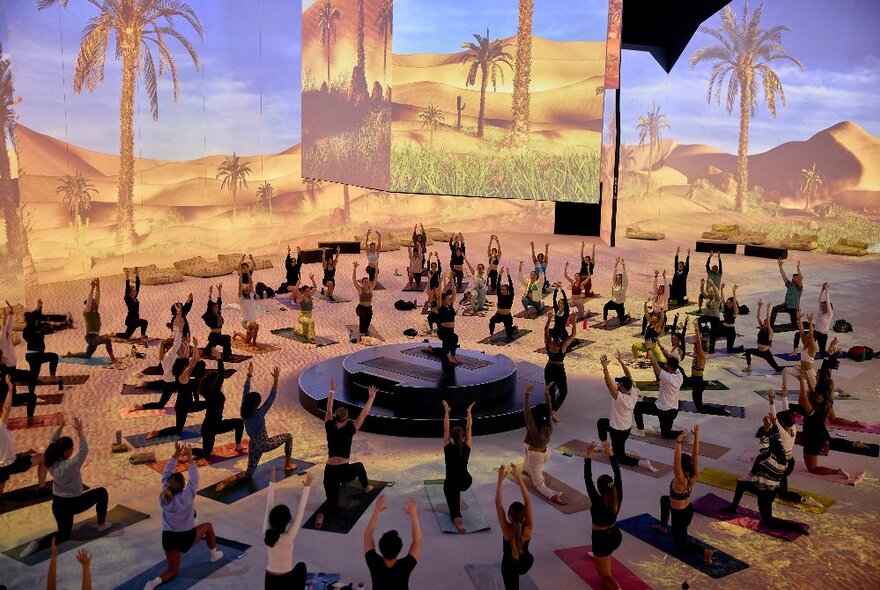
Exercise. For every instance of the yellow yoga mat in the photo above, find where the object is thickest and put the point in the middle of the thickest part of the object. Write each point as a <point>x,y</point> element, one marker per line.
<point>726,480</point>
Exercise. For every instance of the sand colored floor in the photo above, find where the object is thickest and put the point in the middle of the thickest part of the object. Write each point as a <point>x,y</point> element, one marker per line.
<point>841,551</point>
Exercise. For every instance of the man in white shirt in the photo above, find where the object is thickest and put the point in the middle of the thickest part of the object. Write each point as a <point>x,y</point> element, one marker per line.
<point>624,396</point>
<point>666,405</point>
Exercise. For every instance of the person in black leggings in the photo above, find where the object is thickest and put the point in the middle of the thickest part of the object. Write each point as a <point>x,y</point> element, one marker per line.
<point>457,445</point>
<point>211,391</point>
<point>696,380</point>
<point>516,530</point>
<point>292,267</point>
<point>494,260</point>
<point>765,341</point>
<point>446,329</point>
<point>36,355</point>
<point>503,307</point>
<point>456,259</point>
<point>727,327</point>
<point>678,288</point>
<point>185,403</point>
<point>605,501</point>
<point>556,344</point>
<point>329,266</point>
<point>364,309</point>
<point>561,311</point>
<point>678,503</point>
<point>213,318</point>
<point>133,319</point>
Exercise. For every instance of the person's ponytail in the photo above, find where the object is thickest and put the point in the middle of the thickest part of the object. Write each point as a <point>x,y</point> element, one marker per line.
<point>173,487</point>
<point>272,536</point>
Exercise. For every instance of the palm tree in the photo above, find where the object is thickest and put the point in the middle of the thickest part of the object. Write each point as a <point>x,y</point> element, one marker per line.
<point>327,19</point>
<point>346,204</point>
<point>627,159</point>
<point>140,27</point>
<point>651,131</point>
<point>486,57</point>
<point>522,75</point>
<point>76,193</point>
<point>16,245</point>
<point>812,181</point>
<point>264,193</point>
<point>234,173</point>
<point>432,117</point>
<point>744,53</point>
<point>312,186</point>
<point>385,22</point>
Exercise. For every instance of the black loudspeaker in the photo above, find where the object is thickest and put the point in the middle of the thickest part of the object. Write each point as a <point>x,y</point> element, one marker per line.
<point>577,219</point>
<point>345,247</point>
<point>766,251</point>
<point>714,246</point>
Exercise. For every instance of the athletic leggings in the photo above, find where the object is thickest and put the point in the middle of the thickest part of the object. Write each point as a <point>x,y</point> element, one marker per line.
<point>222,340</point>
<point>30,399</point>
<point>452,489</point>
<point>132,324</point>
<point>527,303</point>
<point>783,491</point>
<point>459,278</point>
<point>512,569</point>
<point>726,332</point>
<point>263,444</point>
<point>666,417</point>
<point>93,341</point>
<point>820,337</point>
<point>555,373</point>
<point>493,280</point>
<point>306,325</point>
<point>681,520</point>
<point>210,430</point>
<point>295,579</point>
<point>617,307</point>
<point>335,476</point>
<point>64,509</point>
<point>35,361</point>
<point>765,503</point>
<point>767,355</point>
<point>181,411</point>
<point>502,318</point>
<point>449,339</point>
<point>365,316</point>
<point>618,441</point>
<point>432,319</point>
<point>782,308</point>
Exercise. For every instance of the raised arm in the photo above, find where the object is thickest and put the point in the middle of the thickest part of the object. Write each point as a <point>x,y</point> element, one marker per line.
<point>676,458</point>
<point>534,258</point>
<point>824,296</point>
<point>499,502</point>
<point>446,435</point>
<point>695,459</point>
<point>91,297</point>
<point>273,393</point>
<point>371,393</point>
<point>524,491</point>
<point>498,245</point>
<point>655,365</point>
<point>379,244</point>
<point>609,382</point>
<point>565,273</point>
<point>782,271</point>
<point>415,549</point>
<point>735,302</point>
<point>758,315</point>
<point>570,338</point>
<point>328,413</point>
<point>193,361</point>
<point>370,531</point>
<point>709,264</point>
<point>354,279</point>
<point>592,492</point>
<point>469,426</point>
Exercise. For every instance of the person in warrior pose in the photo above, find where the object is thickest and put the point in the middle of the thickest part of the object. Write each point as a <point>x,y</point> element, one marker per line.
<point>588,268</point>
<point>619,283</point>
<point>580,286</point>
<point>248,305</point>
<point>821,322</point>
<point>714,273</point>
<point>516,530</point>
<point>539,429</point>
<point>246,273</point>
<point>386,570</point>
<point>540,261</point>
<point>446,328</point>
<point>793,290</point>
<point>533,293</point>
<point>556,343</point>
<point>659,301</point>
<point>364,309</point>
<point>456,259</point>
<point>476,295</point>
<point>306,327</point>
<point>329,266</point>
<point>494,255</point>
<point>678,289</point>
<point>35,355</point>
<point>211,390</point>
<point>605,498</point>
<point>133,320</point>
<point>457,444</point>
<point>280,528</point>
<point>503,307</point>
<point>292,268</point>
<point>727,327</point>
<point>213,318</point>
<point>416,266</point>
<point>765,341</point>
<point>92,320</point>
<point>373,250</point>
<point>12,462</point>
<point>420,242</point>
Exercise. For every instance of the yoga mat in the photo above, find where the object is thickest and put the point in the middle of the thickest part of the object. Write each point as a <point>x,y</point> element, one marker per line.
<point>417,289</point>
<point>488,577</point>
<point>373,332</point>
<point>707,449</point>
<point>654,386</point>
<point>500,338</point>
<point>673,305</point>
<point>580,562</point>
<point>755,372</point>
<point>839,396</point>
<point>321,581</point>
<point>13,500</point>
<point>787,327</point>
<point>258,349</point>
<point>291,335</point>
<point>575,500</point>
<point>353,502</point>
<point>379,287</point>
<point>234,358</point>
<point>612,324</point>
<point>461,290</point>
<point>48,399</point>
<point>83,532</point>
<point>471,515</point>
<point>711,505</point>
<point>156,371</point>
<point>854,479</point>
<point>576,344</point>
<point>287,302</point>
<point>578,448</point>
<point>642,527</point>
<point>68,380</point>
<point>219,454</point>
<point>243,488</point>
<point>195,566</point>
<point>21,422</point>
<point>685,405</point>
<point>844,445</point>
<point>530,315</point>
<point>126,413</point>
<point>140,441</point>
<point>726,480</point>
<point>136,341</point>
<point>95,361</point>
<point>336,299</point>
<point>129,389</point>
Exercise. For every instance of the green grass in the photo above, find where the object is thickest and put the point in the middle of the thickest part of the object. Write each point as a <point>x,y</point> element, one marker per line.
<point>570,176</point>
<point>839,223</point>
<point>362,153</point>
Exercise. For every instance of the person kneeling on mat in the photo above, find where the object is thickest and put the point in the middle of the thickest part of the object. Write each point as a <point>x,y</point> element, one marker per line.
<point>386,570</point>
<point>665,407</point>
<point>280,529</point>
<point>503,306</point>
<point>539,428</point>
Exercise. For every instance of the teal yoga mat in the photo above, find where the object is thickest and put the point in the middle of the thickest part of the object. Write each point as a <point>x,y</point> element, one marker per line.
<point>195,566</point>
<point>140,441</point>
<point>471,515</point>
<point>260,481</point>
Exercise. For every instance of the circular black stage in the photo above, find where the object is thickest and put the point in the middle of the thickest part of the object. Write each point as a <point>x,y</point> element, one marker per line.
<point>413,383</point>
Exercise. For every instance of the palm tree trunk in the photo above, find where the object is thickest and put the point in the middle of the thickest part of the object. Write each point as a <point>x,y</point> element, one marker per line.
<point>125,199</point>
<point>483,84</point>
<point>328,62</point>
<point>523,69</point>
<point>385,55</point>
<point>11,213</point>
<point>650,166</point>
<point>234,210</point>
<point>346,205</point>
<point>742,162</point>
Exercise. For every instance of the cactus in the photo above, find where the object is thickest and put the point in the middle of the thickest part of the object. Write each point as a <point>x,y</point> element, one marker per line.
<point>459,106</point>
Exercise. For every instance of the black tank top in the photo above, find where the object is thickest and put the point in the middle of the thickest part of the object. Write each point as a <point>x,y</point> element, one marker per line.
<point>555,357</point>
<point>729,315</point>
<point>764,337</point>
<point>339,439</point>
<point>456,463</point>
<point>445,314</point>
<point>507,549</point>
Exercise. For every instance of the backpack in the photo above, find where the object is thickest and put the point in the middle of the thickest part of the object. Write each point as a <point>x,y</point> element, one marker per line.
<point>411,332</point>
<point>744,310</point>
<point>842,326</point>
<point>860,353</point>
<point>401,305</point>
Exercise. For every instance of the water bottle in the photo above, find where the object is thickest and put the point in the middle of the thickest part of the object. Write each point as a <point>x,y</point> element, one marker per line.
<point>61,384</point>
<point>134,351</point>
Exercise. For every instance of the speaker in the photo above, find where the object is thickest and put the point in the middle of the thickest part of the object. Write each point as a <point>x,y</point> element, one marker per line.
<point>577,219</point>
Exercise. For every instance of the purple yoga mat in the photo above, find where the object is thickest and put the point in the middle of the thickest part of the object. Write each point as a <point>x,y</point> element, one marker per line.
<point>711,506</point>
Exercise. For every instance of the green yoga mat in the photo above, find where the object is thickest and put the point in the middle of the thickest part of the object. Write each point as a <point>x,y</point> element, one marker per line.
<point>653,386</point>
<point>726,480</point>
<point>471,515</point>
<point>353,502</point>
<point>245,487</point>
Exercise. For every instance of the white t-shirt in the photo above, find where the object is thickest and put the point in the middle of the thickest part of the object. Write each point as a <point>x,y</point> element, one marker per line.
<point>7,447</point>
<point>280,556</point>
<point>622,409</point>
<point>670,384</point>
<point>249,309</point>
<point>6,345</point>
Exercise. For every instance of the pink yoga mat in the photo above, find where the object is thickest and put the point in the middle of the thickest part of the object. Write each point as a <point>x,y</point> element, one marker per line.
<point>855,477</point>
<point>711,506</point>
<point>871,427</point>
<point>220,453</point>
<point>20,422</point>
<point>582,564</point>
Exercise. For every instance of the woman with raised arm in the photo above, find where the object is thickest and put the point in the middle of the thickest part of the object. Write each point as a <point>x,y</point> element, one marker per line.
<point>213,318</point>
<point>416,256</point>
<point>659,301</point>
<point>92,320</point>
<point>516,530</point>
<point>678,288</point>
<point>727,328</point>
<point>246,273</point>
<point>373,256</point>
<point>82,556</point>
<point>248,306</point>
<point>329,267</point>
<point>34,335</point>
<point>420,242</point>
<point>710,321</point>
<point>676,343</point>
<point>292,267</point>
<point>503,307</point>
<point>765,341</point>
<point>714,274</point>
<point>386,570</point>
<point>364,309</point>
<point>185,403</point>
<point>808,353</point>
<point>306,327</point>
<point>494,255</point>
<point>339,469</point>
<point>619,283</point>
<point>211,391</point>
<point>822,322</point>
<point>133,320</point>
<point>457,445</point>
<point>478,287</point>
<point>10,461</point>
<point>446,328</point>
<point>436,287</point>
<point>654,326</point>
<point>678,503</point>
<point>540,261</point>
<point>456,259</point>
<point>588,266</point>
<point>556,343</point>
<point>581,288</point>
<point>280,528</point>
<point>532,292</point>
<point>68,495</point>
<point>606,496</point>
<point>561,311</point>
<point>180,533</point>
<point>254,416</point>
<point>539,429</point>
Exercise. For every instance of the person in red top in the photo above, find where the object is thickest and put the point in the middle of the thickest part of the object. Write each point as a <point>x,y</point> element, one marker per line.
<point>386,570</point>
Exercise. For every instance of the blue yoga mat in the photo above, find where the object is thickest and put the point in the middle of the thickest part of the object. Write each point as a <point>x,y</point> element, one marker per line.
<point>195,566</point>
<point>642,527</point>
<point>95,361</point>
<point>260,481</point>
<point>140,441</point>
